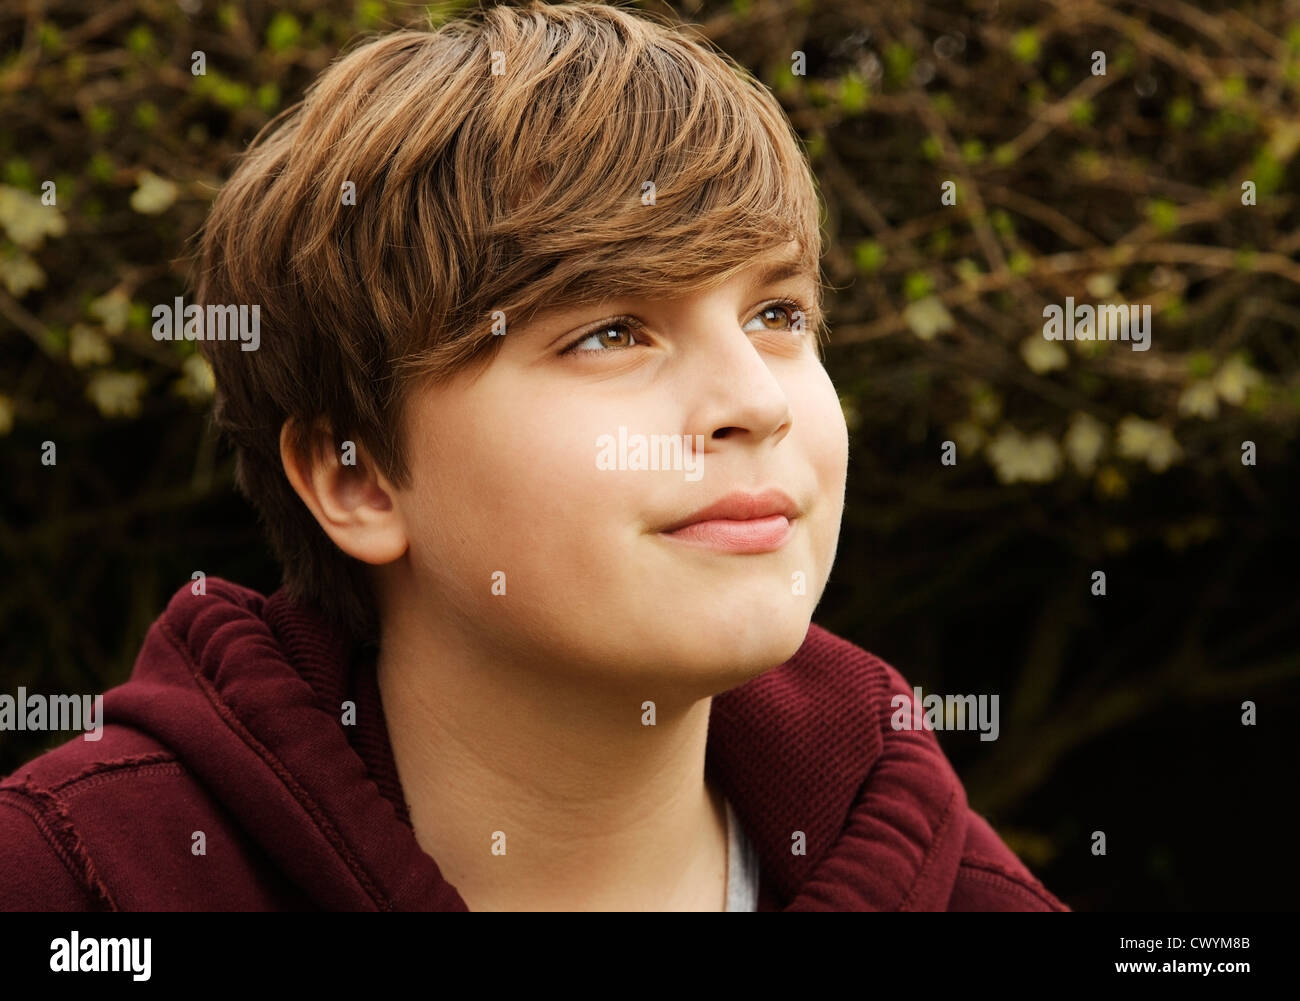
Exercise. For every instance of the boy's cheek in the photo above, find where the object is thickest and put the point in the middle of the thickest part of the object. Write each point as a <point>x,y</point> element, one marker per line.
<point>825,432</point>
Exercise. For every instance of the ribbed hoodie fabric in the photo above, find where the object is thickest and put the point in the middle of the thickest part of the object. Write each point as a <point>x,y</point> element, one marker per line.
<point>230,725</point>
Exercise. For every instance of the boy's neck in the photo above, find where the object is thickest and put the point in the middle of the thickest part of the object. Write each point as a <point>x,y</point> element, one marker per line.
<point>595,810</point>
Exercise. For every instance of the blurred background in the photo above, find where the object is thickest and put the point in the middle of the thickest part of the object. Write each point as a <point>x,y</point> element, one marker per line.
<point>1120,713</point>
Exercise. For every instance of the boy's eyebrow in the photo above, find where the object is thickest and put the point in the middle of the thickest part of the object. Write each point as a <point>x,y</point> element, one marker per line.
<point>792,268</point>
<point>775,272</point>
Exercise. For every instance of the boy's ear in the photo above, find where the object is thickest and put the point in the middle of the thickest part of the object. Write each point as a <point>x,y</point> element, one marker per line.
<point>346,493</point>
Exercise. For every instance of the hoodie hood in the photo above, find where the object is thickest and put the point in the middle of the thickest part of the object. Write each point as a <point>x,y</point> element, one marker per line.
<point>247,692</point>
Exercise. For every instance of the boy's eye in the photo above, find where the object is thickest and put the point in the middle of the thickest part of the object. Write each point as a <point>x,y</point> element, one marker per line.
<point>598,337</point>
<point>791,308</point>
<point>626,325</point>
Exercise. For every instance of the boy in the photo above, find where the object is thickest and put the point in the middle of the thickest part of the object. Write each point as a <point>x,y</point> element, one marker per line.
<point>544,640</point>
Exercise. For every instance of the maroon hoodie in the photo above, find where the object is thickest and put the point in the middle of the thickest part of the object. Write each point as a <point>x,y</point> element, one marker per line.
<point>231,724</point>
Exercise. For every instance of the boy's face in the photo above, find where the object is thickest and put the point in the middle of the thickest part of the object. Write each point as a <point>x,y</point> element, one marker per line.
<point>511,474</point>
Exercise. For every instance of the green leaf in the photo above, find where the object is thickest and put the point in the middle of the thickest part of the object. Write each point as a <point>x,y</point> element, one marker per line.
<point>18,172</point>
<point>780,77</point>
<point>146,115</point>
<point>229,93</point>
<point>138,315</point>
<point>1179,112</point>
<point>854,94</point>
<point>1025,45</point>
<point>99,119</point>
<point>56,339</point>
<point>140,40</point>
<point>50,37</point>
<point>917,285</point>
<point>100,166</point>
<point>369,13</point>
<point>1267,172</point>
<point>869,256</point>
<point>283,32</point>
<point>1234,86</point>
<point>74,66</point>
<point>1200,364</point>
<point>1082,112</point>
<point>966,269</point>
<point>1163,215</point>
<point>898,63</point>
<point>1258,398</point>
<point>268,97</point>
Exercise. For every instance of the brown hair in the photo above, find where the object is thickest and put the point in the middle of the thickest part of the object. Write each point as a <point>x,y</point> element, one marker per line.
<point>498,164</point>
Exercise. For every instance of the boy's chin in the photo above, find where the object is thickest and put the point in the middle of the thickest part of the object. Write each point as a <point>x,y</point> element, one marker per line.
<point>731,650</point>
<point>771,644</point>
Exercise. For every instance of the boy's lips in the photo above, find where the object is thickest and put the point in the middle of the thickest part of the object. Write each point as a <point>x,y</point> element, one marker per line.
<point>739,522</point>
<point>754,535</point>
<point>741,506</point>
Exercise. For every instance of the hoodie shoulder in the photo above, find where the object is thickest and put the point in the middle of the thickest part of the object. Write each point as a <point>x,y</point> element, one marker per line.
<point>40,874</point>
<point>947,856</point>
<point>43,816</point>
<point>224,780</point>
<point>992,878</point>
<point>121,824</point>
